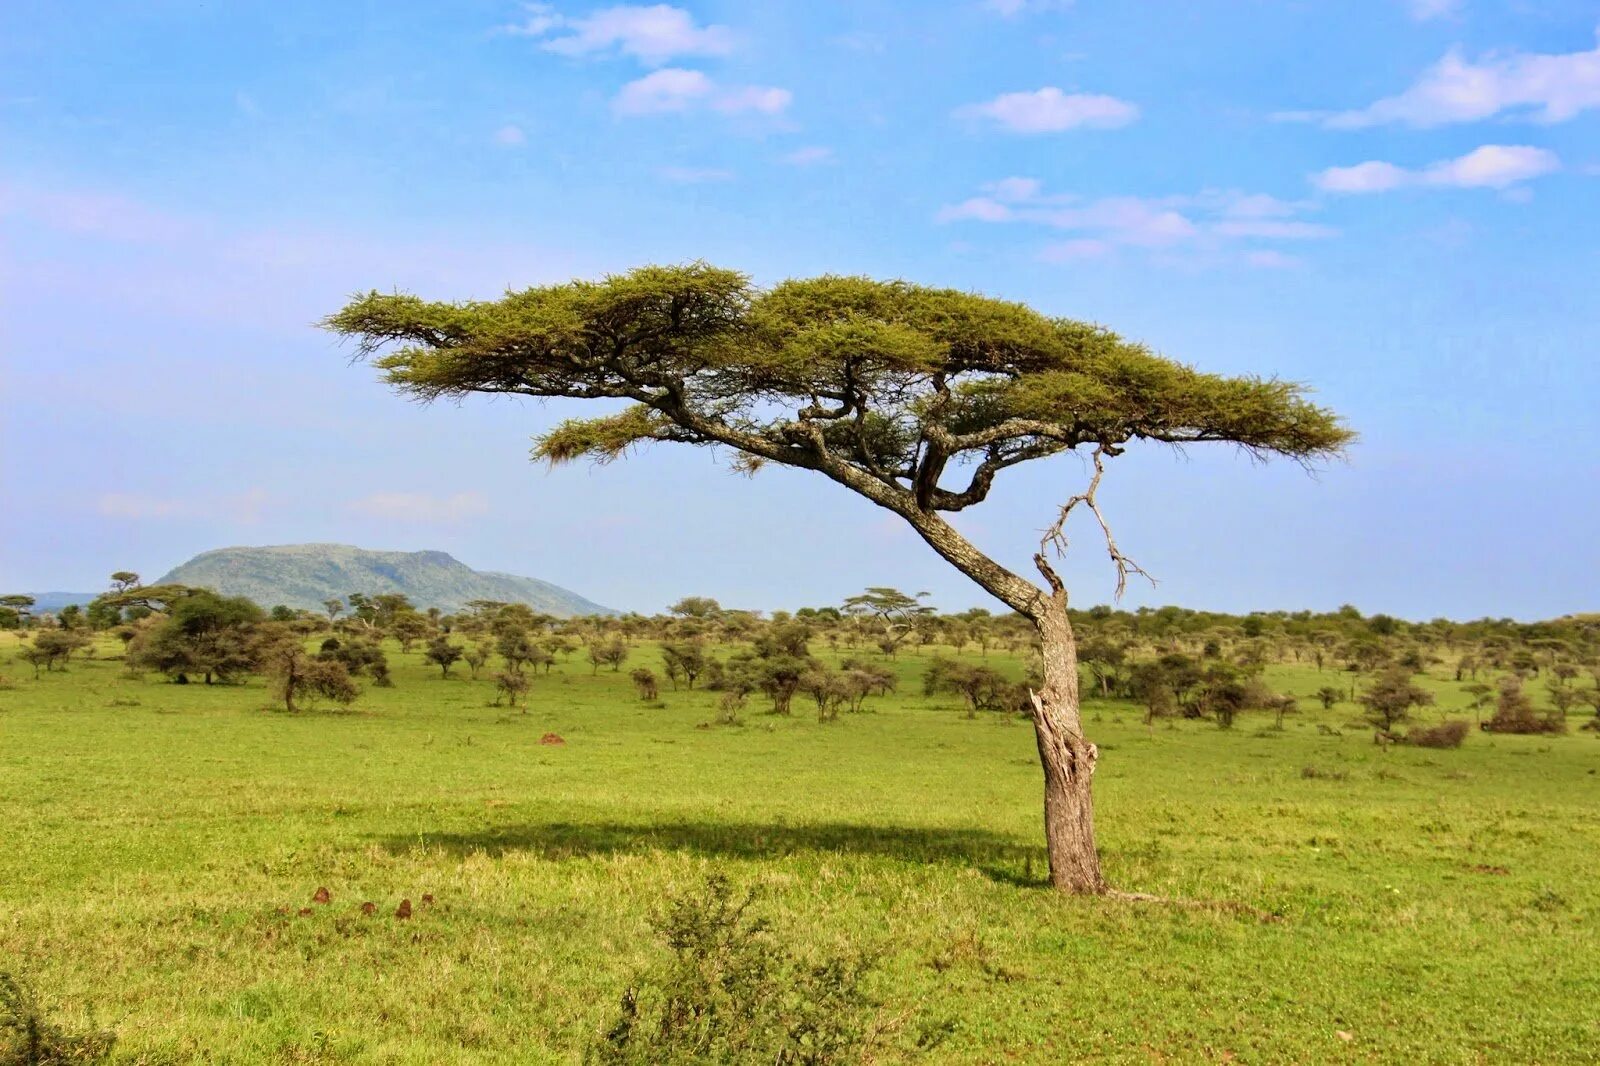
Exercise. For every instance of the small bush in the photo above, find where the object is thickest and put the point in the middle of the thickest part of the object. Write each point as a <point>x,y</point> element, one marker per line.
<point>28,1038</point>
<point>1514,713</point>
<point>732,992</point>
<point>645,684</point>
<point>1444,735</point>
<point>1315,773</point>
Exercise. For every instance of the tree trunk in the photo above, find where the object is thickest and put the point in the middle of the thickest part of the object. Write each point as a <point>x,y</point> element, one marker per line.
<point>1067,757</point>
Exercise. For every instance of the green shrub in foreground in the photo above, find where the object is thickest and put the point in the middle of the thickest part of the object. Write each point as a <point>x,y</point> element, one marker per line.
<point>733,993</point>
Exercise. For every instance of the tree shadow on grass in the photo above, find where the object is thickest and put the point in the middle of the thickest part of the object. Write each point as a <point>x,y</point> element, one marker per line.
<point>998,857</point>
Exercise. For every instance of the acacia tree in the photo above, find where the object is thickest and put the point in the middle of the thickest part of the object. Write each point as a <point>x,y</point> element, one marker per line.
<point>889,389</point>
<point>897,614</point>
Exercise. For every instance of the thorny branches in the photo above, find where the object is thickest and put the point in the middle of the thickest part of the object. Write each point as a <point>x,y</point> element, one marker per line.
<point>1056,536</point>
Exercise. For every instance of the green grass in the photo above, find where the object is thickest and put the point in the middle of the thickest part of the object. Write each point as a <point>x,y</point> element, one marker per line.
<point>1436,906</point>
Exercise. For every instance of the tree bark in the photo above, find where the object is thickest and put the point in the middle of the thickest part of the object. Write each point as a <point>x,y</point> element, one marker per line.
<point>1067,757</point>
<point>1065,754</point>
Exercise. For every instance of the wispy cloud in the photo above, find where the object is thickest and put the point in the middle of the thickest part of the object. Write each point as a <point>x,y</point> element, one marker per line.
<point>694,175</point>
<point>510,136</point>
<point>1428,10</point>
<point>145,259</point>
<point>244,508</point>
<point>421,507</point>
<point>1493,166</point>
<point>809,156</point>
<point>1209,221</point>
<point>674,90</point>
<point>1013,8</point>
<point>1543,87</point>
<point>1049,110</point>
<point>653,34</point>
<point>94,214</point>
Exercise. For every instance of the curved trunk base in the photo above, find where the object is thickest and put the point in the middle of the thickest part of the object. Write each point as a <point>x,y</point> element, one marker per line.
<point>1068,765</point>
<point>1067,757</point>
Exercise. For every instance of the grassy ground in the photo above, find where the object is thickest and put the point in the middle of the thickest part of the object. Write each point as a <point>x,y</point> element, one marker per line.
<point>1436,906</point>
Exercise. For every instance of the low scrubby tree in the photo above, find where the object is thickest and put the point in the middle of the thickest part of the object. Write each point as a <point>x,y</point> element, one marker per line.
<point>982,688</point>
<point>512,686</point>
<point>1514,712</point>
<point>608,650</point>
<point>296,677</point>
<point>200,633</point>
<point>1390,700</point>
<point>443,654</point>
<point>645,684</point>
<point>685,659</point>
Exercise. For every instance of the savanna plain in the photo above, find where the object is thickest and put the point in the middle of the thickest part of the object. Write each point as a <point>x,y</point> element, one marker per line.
<point>190,866</point>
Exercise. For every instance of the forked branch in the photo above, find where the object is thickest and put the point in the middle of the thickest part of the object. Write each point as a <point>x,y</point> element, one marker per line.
<point>1056,536</point>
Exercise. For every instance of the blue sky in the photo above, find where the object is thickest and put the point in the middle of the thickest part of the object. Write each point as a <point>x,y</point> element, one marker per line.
<point>1392,200</point>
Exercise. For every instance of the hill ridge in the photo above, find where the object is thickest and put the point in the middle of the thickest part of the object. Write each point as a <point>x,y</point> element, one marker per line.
<point>305,575</point>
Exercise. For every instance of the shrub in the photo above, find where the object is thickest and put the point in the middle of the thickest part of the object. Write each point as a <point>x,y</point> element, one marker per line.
<point>1514,713</point>
<point>1444,735</point>
<point>733,992</point>
<point>981,687</point>
<point>28,1038</point>
<point>644,682</point>
<point>511,686</point>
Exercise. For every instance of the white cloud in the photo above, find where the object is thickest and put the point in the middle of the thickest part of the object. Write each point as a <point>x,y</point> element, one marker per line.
<point>1493,166</point>
<point>1049,110</point>
<point>510,136</point>
<point>809,156</point>
<point>421,507</point>
<point>1544,87</point>
<point>694,175</point>
<point>976,209</point>
<point>675,90</point>
<point>1428,10</point>
<point>1372,176</point>
<point>1207,221</point>
<point>652,34</point>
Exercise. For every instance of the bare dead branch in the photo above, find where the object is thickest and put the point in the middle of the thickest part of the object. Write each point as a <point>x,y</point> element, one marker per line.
<point>1056,535</point>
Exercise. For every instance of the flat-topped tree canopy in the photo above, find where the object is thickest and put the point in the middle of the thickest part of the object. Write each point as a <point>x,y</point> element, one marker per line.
<point>900,383</point>
<point>914,397</point>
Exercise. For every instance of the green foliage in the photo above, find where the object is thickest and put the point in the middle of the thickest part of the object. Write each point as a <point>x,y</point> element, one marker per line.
<point>200,633</point>
<point>1391,698</point>
<point>894,381</point>
<point>1444,735</point>
<point>733,992</point>
<point>982,687</point>
<point>1514,713</point>
<point>443,654</point>
<point>28,1037</point>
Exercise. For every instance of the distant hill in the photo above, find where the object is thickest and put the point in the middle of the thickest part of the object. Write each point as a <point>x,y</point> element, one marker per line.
<point>304,575</point>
